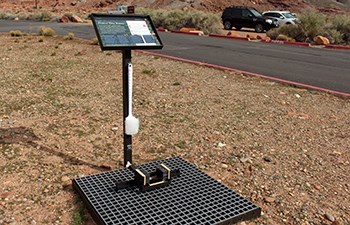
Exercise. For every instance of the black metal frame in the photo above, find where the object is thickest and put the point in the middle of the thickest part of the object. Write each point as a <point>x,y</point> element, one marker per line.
<point>126,51</point>
<point>121,196</point>
<point>192,198</point>
<point>126,47</point>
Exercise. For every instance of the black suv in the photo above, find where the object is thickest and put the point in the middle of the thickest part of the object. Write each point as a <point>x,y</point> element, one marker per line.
<point>239,16</point>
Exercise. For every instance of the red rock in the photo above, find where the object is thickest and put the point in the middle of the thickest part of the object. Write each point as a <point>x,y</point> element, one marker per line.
<point>282,37</point>
<point>251,37</point>
<point>200,33</point>
<point>187,29</point>
<point>320,40</point>
<point>232,34</point>
<point>5,194</point>
<point>266,38</point>
<point>76,19</point>
<point>64,19</point>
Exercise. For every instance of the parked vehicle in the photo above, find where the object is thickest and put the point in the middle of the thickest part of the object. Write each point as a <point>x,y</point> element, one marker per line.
<point>282,17</point>
<point>240,16</point>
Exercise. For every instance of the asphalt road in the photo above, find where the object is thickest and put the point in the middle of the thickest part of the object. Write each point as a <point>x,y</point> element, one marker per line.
<point>323,68</point>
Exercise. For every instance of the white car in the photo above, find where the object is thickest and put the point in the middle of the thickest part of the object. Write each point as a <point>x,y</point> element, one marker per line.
<point>282,17</point>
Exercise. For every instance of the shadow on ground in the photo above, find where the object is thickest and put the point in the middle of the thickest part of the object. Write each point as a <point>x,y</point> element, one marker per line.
<point>18,135</point>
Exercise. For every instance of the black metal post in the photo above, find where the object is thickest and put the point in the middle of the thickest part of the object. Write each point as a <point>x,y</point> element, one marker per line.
<point>127,138</point>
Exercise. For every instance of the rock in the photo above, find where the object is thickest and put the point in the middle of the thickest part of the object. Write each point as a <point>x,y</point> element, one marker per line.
<point>269,199</point>
<point>232,34</point>
<point>282,37</point>
<point>106,166</point>
<point>200,33</point>
<point>246,159</point>
<point>65,179</point>
<point>266,39</point>
<point>67,184</point>
<point>336,223</point>
<point>5,195</point>
<point>187,29</point>
<point>320,40</point>
<point>267,158</point>
<point>251,37</point>
<point>76,19</point>
<point>64,19</point>
<point>223,165</point>
<point>221,145</point>
<point>329,217</point>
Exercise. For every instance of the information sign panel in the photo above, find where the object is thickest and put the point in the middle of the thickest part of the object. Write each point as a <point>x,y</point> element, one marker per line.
<point>118,32</point>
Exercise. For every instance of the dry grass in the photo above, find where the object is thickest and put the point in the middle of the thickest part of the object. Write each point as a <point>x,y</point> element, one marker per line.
<point>47,31</point>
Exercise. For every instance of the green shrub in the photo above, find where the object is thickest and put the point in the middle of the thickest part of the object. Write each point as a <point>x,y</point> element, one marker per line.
<point>46,31</point>
<point>16,33</point>
<point>94,41</point>
<point>334,36</point>
<point>42,16</point>
<point>341,23</point>
<point>45,16</point>
<point>273,33</point>
<point>312,24</point>
<point>69,15</point>
<point>3,16</point>
<point>293,31</point>
<point>335,28</point>
<point>69,36</point>
<point>176,19</point>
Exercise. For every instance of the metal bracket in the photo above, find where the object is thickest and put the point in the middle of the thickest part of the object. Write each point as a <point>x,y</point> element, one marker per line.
<point>161,177</point>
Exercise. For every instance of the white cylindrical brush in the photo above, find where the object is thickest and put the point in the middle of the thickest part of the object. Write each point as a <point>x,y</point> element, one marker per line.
<point>131,123</point>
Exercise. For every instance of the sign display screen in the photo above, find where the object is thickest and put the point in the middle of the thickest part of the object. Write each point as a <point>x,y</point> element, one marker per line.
<point>117,32</point>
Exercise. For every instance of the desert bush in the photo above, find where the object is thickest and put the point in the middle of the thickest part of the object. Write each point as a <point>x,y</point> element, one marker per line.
<point>3,16</point>
<point>293,31</point>
<point>69,36</point>
<point>334,36</point>
<point>273,33</point>
<point>176,19</point>
<point>69,15</point>
<point>42,16</point>
<point>16,33</point>
<point>336,28</point>
<point>341,24</point>
<point>94,41</point>
<point>312,24</point>
<point>46,31</point>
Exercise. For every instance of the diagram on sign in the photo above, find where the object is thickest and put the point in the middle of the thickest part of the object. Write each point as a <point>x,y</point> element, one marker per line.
<point>126,32</point>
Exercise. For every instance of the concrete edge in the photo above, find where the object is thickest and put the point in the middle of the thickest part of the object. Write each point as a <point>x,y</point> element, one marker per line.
<point>229,37</point>
<point>343,47</point>
<point>303,44</point>
<point>288,43</point>
<point>183,32</point>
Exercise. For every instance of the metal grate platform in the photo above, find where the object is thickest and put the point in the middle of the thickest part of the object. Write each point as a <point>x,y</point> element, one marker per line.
<point>193,198</point>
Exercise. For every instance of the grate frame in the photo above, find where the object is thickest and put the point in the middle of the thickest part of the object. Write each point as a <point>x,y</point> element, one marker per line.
<point>193,198</point>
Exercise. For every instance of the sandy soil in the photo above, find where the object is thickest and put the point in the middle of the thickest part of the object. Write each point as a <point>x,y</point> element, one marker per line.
<point>286,149</point>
